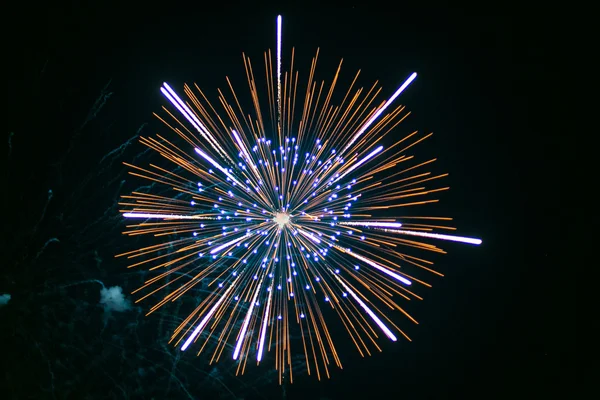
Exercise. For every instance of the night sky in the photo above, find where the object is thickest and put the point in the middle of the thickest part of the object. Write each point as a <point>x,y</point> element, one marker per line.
<point>83,81</point>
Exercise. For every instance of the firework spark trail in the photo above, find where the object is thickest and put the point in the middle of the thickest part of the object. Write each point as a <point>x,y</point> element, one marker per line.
<point>381,110</point>
<point>279,27</point>
<point>206,318</point>
<point>373,223</point>
<point>191,117</point>
<point>361,162</point>
<point>165,216</point>
<point>286,231</point>
<point>264,326</point>
<point>440,236</point>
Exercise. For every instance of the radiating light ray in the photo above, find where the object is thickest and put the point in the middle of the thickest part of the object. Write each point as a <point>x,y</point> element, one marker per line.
<point>242,335</point>
<point>310,236</point>
<point>243,148</point>
<point>375,318</point>
<point>279,28</point>
<point>189,115</point>
<point>263,331</point>
<point>228,244</point>
<point>285,229</point>
<point>381,110</point>
<point>361,162</point>
<point>440,236</point>
<point>376,266</point>
<point>206,318</point>
<point>165,216</point>
<point>216,165</point>
<point>372,223</point>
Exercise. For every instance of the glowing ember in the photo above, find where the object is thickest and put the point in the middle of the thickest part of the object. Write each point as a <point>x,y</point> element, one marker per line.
<point>281,218</point>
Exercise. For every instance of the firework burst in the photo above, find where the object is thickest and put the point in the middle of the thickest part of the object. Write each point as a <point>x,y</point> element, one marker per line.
<point>284,214</point>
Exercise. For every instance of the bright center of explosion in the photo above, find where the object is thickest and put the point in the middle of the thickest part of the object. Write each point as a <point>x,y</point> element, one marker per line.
<point>281,218</point>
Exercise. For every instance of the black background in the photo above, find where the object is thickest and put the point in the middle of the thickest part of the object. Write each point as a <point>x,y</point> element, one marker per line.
<point>499,324</point>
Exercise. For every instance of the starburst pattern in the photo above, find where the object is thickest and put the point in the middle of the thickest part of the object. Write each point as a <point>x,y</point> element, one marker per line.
<point>287,219</point>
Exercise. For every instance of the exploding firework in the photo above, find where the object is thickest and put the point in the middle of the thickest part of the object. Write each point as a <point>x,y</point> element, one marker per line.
<point>285,218</point>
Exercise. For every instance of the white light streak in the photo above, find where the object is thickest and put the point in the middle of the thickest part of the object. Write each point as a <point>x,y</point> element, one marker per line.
<point>191,117</point>
<point>230,243</point>
<point>261,341</point>
<point>361,162</point>
<point>381,110</point>
<point>373,223</point>
<point>243,148</point>
<point>375,318</point>
<point>310,236</point>
<point>242,336</point>
<point>163,216</point>
<point>377,266</point>
<point>440,236</point>
<point>216,165</point>
<point>279,20</point>
<point>207,317</point>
